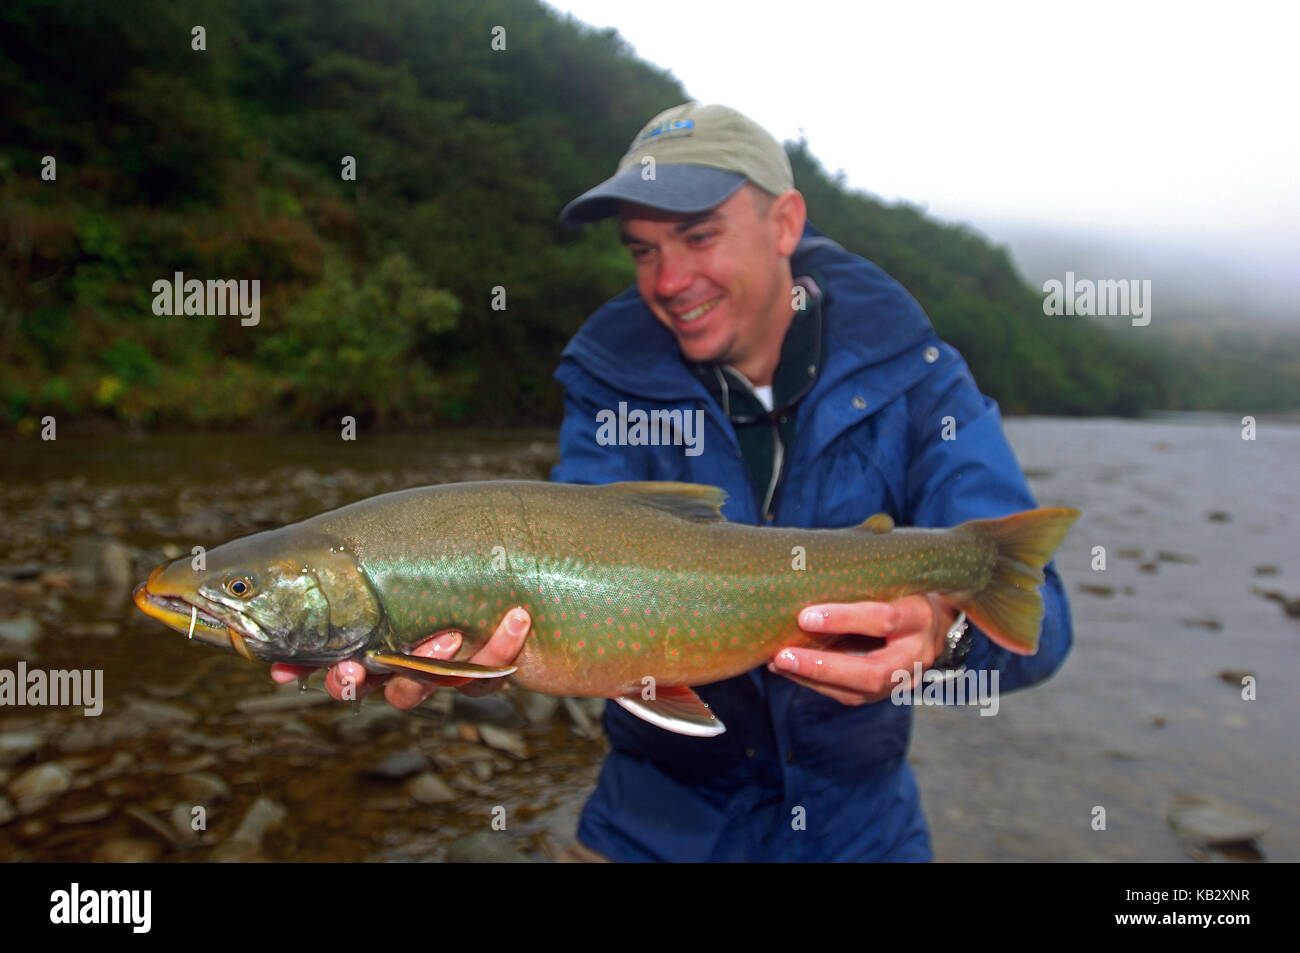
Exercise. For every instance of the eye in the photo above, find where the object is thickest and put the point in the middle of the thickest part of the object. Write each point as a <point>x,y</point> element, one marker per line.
<point>240,586</point>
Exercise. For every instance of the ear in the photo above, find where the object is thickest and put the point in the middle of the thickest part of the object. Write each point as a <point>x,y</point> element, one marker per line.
<point>790,214</point>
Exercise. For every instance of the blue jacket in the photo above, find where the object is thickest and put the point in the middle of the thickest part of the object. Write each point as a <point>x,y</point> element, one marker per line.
<point>867,440</point>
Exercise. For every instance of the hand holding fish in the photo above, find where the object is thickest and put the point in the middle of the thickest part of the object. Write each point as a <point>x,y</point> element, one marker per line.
<point>348,679</point>
<point>916,627</point>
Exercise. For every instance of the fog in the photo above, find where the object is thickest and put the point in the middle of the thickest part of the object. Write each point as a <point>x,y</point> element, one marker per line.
<point>1152,142</point>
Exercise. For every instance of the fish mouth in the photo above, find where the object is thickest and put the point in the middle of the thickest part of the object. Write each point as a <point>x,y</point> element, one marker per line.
<point>177,612</point>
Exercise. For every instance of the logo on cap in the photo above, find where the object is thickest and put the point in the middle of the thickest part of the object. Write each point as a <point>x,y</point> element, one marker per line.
<point>677,125</point>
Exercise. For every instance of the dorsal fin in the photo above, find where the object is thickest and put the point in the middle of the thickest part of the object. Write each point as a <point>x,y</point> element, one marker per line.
<point>880,523</point>
<point>690,501</point>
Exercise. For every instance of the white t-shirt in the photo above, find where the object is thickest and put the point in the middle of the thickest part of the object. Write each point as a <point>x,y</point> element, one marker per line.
<point>764,394</point>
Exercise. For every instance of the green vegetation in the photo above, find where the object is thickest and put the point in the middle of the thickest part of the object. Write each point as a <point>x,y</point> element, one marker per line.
<point>376,294</point>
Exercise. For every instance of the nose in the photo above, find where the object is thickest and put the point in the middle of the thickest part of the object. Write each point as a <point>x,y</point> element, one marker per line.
<point>673,275</point>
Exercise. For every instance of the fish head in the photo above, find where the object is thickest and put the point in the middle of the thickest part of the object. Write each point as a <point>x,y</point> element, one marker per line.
<point>278,596</point>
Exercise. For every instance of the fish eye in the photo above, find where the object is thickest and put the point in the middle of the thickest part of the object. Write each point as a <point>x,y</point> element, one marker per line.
<point>240,586</point>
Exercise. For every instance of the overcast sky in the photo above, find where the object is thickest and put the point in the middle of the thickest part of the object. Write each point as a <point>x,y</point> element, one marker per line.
<point>1138,119</point>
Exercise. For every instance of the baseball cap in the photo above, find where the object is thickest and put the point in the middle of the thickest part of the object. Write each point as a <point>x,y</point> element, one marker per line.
<point>701,155</point>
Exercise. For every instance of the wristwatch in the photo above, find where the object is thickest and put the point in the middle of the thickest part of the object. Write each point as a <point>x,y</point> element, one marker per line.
<point>954,659</point>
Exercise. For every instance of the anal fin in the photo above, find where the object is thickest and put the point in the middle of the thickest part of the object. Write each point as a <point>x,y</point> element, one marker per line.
<point>675,709</point>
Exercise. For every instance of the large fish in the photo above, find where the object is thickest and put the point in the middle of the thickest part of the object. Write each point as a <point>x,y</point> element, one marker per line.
<point>637,591</point>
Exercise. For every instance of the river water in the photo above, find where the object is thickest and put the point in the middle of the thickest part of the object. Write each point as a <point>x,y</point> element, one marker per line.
<point>1194,522</point>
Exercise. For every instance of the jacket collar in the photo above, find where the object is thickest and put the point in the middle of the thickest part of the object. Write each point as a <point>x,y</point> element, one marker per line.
<point>888,323</point>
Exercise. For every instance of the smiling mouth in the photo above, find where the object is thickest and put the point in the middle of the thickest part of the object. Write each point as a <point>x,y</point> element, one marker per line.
<point>697,312</point>
<point>184,616</point>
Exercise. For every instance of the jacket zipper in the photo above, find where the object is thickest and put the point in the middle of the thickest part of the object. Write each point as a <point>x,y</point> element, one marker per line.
<point>777,463</point>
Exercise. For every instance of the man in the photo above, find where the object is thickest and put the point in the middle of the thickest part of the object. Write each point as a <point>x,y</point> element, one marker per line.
<point>825,398</point>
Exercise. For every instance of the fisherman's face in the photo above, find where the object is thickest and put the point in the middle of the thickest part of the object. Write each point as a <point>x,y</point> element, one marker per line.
<point>717,279</point>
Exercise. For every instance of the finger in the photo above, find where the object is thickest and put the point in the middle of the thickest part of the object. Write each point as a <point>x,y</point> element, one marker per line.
<point>408,692</point>
<point>871,673</point>
<point>501,649</point>
<point>880,619</point>
<point>346,681</point>
<point>282,672</point>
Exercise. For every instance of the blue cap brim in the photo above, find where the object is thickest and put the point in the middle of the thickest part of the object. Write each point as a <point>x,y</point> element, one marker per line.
<point>675,188</point>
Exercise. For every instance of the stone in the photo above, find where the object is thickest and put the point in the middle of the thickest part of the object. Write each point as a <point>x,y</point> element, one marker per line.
<point>151,823</point>
<point>511,742</point>
<point>20,631</point>
<point>86,815</point>
<point>290,700</point>
<point>538,709</point>
<point>370,721</point>
<point>1209,822</point>
<point>17,745</point>
<point>245,844</point>
<point>582,723</point>
<point>202,787</point>
<point>262,816</point>
<point>160,713</point>
<point>429,788</point>
<point>398,765</point>
<point>36,785</point>
<point>182,818</point>
<point>128,850</point>
<point>1095,590</point>
<point>486,847</point>
<point>492,709</point>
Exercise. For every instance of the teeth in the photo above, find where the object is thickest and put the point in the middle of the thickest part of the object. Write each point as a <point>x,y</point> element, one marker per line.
<point>194,617</point>
<point>698,312</point>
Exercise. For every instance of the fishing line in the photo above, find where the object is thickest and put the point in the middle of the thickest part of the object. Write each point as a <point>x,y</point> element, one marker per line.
<point>194,614</point>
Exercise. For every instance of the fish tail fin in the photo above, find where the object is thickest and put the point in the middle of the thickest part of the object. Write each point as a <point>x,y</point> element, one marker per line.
<point>1009,609</point>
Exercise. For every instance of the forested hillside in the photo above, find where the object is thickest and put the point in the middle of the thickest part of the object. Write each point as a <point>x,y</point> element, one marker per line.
<point>376,293</point>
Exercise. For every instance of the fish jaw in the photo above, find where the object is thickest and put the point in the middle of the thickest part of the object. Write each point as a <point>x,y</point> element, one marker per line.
<point>176,606</point>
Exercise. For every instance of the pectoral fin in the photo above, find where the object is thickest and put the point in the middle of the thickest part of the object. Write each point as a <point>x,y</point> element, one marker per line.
<point>418,665</point>
<point>676,709</point>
